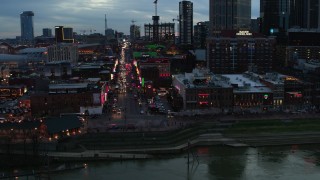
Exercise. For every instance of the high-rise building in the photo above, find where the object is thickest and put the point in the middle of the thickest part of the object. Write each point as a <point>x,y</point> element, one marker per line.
<point>110,34</point>
<point>26,20</point>
<point>134,32</point>
<point>165,32</point>
<point>275,15</point>
<point>201,31</point>
<point>64,34</point>
<point>229,15</point>
<point>68,34</point>
<point>47,32</point>
<point>305,14</point>
<point>238,51</point>
<point>186,22</point>
<point>280,15</point>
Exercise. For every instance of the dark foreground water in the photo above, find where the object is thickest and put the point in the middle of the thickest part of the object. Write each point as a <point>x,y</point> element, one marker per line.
<point>225,163</point>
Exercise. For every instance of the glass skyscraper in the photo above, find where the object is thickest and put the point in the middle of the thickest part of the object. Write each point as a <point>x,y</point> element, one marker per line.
<point>229,14</point>
<point>280,15</point>
<point>186,22</point>
<point>47,32</point>
<point>26,20</point>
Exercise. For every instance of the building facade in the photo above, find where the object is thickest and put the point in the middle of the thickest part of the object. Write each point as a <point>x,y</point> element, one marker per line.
<point>186,22</point>
<point>27,32</point>
<point>280,15</point>
<point>165,32</point>
<point>248,92</point>
<point>201,90</point>
<point>63,52</point>
<point>64,34</point>
<point>305,14</point>
<point>134,32</point>
<point>64,98</point>
<point>229,15</point>
<point>236,51</point>
<point>201,32</point>
<point>47,32</point>
<point>57,70</point>
<point>156,70</point>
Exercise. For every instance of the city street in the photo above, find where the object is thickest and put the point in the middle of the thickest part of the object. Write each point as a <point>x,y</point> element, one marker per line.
<point>130,112</point>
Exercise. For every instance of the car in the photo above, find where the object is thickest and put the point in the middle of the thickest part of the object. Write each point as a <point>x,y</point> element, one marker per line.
<point>113,126</point>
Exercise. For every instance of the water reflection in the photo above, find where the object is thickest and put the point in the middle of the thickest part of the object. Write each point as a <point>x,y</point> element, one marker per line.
<point>225,163</point>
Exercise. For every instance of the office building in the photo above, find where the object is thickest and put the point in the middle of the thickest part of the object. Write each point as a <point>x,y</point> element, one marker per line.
<point>256,25</point>
<point>64,34</point>
<point>63,52</point>
<point>134,32</point>
<point>201,31</point>
<point>237,51</point>
<point>304,14</point>
<point>280,15</point>
<point>186,22</point>
<point>110,34</point>
<point>47,32</point>
<point>229,15</point>
<point>165,32</point>
<point>27,32</point>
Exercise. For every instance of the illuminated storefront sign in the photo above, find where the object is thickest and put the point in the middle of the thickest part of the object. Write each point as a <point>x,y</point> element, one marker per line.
<point>142,82</point>
<point>244,33</point>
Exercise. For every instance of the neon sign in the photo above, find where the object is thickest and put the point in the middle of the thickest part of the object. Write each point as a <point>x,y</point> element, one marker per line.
<point>244,33</point>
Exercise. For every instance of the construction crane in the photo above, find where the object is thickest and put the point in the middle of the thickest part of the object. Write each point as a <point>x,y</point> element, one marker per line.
<point>176,19</point>
<point>155,6</point>
<point>84,31</point>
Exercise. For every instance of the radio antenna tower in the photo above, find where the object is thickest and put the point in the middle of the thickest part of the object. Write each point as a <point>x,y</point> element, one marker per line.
<point>105,22</point>
<point>155,7</point>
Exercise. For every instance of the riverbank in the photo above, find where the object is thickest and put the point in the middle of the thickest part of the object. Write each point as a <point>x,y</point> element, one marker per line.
<point>144,145</point>
<point>202,140</point>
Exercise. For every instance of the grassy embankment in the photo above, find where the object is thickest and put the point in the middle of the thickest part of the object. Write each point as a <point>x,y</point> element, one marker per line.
<point>274,126</point>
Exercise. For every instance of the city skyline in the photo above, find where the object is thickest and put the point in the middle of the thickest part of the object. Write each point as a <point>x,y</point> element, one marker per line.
<point>88,15</point>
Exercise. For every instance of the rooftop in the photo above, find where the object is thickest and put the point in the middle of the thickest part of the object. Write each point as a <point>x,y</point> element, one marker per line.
<point>32,50</point>
<point>243,84</point>
<point>200,78</point>
<point>11,57</point>
<point>68,86</point>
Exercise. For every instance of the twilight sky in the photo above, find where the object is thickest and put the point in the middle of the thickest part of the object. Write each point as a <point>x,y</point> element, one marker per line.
<point>89,14</point>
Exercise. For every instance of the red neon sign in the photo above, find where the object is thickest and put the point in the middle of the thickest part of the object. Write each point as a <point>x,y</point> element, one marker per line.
<point>203,102</point>
<point>203,94</point>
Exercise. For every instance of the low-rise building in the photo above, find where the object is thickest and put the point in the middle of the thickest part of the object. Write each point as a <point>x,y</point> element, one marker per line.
<point>248,93</point>
<point>57,70</point>
<point>201,89</point>
<point>65,98</point>
<point>229,92</point>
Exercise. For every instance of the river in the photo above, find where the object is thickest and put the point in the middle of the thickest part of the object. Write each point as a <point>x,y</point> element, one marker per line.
<point>222,163</point>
